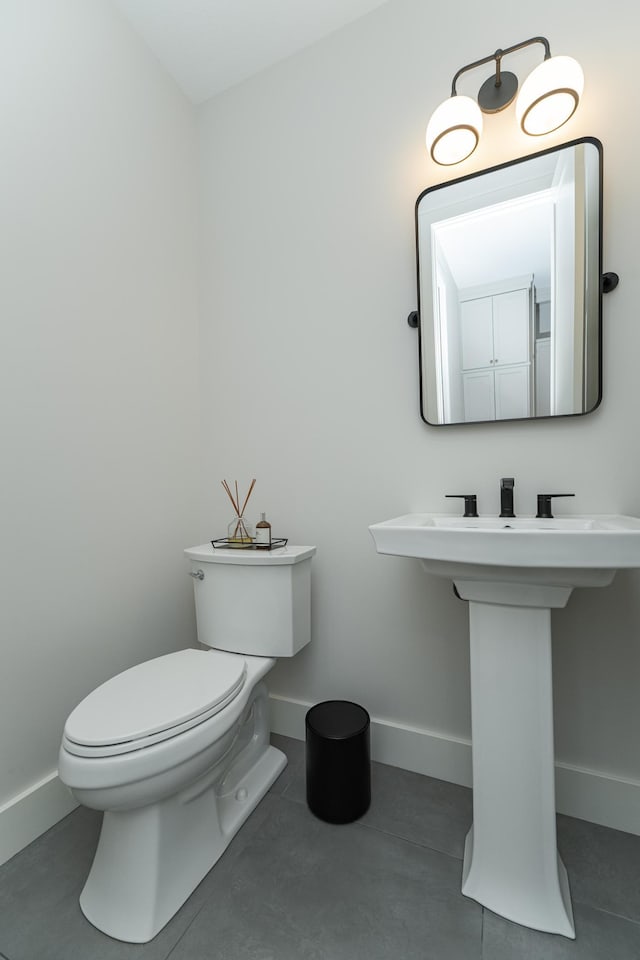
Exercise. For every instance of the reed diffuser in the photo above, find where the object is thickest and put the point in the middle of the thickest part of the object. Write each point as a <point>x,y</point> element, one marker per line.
<point>240,532</point>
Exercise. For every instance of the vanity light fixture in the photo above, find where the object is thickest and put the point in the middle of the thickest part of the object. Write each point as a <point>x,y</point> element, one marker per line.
<point>547,99</point>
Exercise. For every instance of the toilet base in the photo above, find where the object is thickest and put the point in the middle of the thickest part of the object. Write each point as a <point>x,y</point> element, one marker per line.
<point>151,859</point>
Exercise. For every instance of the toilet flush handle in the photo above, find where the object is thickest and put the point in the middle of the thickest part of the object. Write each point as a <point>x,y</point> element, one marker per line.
<point>196,574</point>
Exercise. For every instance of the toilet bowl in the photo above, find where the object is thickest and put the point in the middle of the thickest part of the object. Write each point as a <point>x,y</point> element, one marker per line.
<point>176,750</point>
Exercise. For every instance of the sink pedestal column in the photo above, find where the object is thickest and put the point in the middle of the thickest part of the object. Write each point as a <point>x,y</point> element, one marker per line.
<point>511,864</point>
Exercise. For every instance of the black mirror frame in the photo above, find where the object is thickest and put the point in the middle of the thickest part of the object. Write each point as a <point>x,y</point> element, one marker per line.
<point>608,281</point>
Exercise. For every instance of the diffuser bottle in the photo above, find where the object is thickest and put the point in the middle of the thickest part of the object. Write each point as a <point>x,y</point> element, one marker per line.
<point>240,532</point>
<point>263,534</point>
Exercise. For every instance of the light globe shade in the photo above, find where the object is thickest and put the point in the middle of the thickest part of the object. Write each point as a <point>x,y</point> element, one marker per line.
<point>454,130</point>
<point>549,95</point>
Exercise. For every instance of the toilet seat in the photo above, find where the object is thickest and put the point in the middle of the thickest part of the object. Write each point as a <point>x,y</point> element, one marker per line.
<point>153,702</point>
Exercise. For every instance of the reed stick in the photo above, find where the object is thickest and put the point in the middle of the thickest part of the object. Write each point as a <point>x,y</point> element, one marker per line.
<point>246,499</point>
<point>230,495</point>
<point>236,502</point>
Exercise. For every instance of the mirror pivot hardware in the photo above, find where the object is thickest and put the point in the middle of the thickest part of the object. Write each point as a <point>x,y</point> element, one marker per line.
<point>544,504</point>
<point>470,503</point>
<point>412,319</point>
<point>609,282</point>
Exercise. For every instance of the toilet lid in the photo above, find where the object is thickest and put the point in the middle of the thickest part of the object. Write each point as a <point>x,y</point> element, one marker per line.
<point>151,700</point>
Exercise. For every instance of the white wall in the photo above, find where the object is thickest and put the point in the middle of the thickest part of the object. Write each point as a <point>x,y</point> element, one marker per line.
<point>98,405</point>
<point>310,173</point>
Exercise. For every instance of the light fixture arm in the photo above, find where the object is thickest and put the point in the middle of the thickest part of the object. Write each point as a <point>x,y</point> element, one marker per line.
<point>497,57</point>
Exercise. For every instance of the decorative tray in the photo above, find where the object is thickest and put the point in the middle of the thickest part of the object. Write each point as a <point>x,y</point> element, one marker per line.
<point>238,545</point>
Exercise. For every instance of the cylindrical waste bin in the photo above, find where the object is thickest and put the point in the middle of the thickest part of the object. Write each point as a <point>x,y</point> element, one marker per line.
<point>338,761</point>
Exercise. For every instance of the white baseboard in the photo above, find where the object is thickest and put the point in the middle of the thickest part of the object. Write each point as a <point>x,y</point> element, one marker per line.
<point>25,817</point>
<point>598,797</point>
<point>586,794</point>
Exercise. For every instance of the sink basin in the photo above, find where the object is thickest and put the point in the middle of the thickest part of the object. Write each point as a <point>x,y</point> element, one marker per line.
<point>572,551</point>
<point>513,572</point>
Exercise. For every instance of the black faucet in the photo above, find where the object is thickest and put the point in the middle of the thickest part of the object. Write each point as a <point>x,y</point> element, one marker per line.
<point>470,503</point>
<point>544,504</point>
<point>506,497</point>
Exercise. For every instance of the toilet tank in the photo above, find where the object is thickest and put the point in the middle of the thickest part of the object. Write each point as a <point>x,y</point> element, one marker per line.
<point>253,601</point>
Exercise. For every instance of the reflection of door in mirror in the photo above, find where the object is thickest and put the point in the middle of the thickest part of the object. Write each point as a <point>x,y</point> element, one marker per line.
<point>508,268</point>
<point>495,331</point>
<point>485,341</point>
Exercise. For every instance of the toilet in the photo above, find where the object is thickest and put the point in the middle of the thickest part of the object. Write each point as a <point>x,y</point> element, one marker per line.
<point>176,750</point>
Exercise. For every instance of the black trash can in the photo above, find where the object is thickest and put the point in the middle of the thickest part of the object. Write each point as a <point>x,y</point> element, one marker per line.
<point>338,761</point>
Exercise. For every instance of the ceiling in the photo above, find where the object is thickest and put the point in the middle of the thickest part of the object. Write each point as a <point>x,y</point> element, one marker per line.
<point>210,45</point>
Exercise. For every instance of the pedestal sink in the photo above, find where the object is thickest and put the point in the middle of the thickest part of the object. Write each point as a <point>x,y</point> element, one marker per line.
<point>513,572</point>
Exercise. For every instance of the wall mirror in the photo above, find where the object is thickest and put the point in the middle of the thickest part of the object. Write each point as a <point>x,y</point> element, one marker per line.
<point>509,289</point>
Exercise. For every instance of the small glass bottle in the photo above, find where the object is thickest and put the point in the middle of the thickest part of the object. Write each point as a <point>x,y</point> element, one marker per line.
<point>263,534</point>
<point>239,533</point>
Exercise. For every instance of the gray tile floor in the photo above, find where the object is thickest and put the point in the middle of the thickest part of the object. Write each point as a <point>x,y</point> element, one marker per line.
<point>290,887</point>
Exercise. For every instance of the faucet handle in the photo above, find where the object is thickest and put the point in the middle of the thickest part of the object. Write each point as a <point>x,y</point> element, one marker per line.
<point>470,503</point>
<point>544,504</point>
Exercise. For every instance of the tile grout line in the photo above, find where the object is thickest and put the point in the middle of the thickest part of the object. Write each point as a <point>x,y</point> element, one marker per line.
<point>186,929</point>
<point>609,913</point>
<point>414,843</point>
<point>385,833</point>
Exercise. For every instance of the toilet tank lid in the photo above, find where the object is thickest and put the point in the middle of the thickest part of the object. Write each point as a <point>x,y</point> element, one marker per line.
<point>281,555</point>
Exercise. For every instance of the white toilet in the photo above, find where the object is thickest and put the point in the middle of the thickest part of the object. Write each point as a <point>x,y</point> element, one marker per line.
<point>176,750</point>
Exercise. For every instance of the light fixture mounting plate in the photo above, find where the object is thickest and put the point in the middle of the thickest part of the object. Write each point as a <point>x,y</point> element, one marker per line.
<point>494,97</point>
